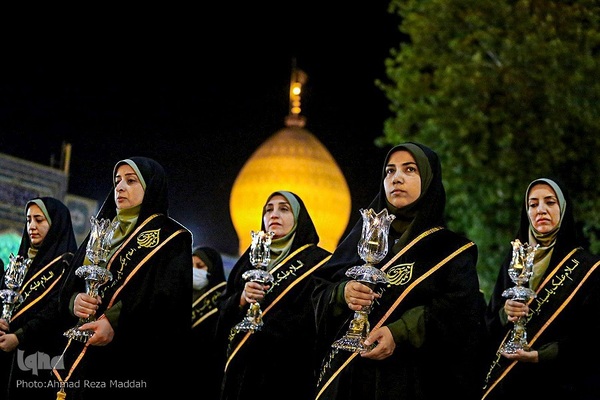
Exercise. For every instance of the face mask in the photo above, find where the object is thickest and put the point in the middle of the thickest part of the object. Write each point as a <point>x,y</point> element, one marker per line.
<point>200,278</point>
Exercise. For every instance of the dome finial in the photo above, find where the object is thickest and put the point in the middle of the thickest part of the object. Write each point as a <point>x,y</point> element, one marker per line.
<point>298,79</point>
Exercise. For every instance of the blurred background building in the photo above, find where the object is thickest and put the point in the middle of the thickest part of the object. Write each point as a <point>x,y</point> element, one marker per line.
<point>22,180</point>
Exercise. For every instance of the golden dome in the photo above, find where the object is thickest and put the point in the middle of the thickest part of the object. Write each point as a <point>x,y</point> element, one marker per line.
<point>292,159</point>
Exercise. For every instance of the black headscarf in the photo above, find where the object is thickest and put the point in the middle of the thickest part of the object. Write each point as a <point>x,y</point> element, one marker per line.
<point>213,260</point>
<point>568,236</point>
<point>425,213</point>
<point>428,210</point>
<point>306,233</point>
<point>60,238</point>
<point>155,196</point>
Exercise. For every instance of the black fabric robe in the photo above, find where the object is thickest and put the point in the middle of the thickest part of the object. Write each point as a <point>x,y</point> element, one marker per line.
<point>208,360</point>
<point>36,320</point>
<point>279,360</point>
<point>563,316</point>
<point>448,363</point>
<point>152,283</point>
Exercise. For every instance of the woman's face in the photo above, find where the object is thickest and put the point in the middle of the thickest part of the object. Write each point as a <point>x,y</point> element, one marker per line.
<point>129,191</point>
<point>402,181</point>
<point>278,216</point>
<point>199,263</point>
<point>543,208</point>
<point>37,225</point>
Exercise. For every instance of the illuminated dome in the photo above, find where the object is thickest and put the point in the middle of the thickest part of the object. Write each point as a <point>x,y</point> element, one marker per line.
<point>292,159</point>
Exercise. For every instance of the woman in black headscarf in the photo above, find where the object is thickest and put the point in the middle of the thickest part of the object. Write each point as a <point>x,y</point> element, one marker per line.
<point>209,263</point>
<point>49,242</point>
<point>142,327</point>
<point>561,321</point>
<point>277,361</point>
<point>427,322</point>
<point>208,284</point>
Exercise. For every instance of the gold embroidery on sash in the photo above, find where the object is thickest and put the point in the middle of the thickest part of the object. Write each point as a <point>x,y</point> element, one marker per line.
<point>142,263</point>
<point>206,305</point>
<point>149,239</point>
<point>38,281</point>
<point>401,274</point>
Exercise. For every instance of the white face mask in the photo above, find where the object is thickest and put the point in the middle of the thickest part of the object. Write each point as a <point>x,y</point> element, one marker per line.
<point>200,278</point>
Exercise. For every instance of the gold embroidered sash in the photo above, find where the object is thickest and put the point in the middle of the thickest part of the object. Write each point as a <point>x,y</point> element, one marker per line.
<point>36,288</point>
<point>206,304</point>
<point>124,264</point>
<point>335,362</point>
<point>287,274</point>
<point>553,295</point>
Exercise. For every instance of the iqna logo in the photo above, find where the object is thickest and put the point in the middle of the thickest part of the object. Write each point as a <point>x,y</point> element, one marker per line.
<point>38,361</point>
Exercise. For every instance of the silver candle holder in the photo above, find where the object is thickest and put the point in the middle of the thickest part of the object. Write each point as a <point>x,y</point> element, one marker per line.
<point>13,280</point>
<point>372,248</point>
<point>260,256</point>
<point>519,271</point>
<point>95,274</point>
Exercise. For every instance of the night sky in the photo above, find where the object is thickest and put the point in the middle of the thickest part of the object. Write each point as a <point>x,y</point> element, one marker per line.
<point>199,92</point>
